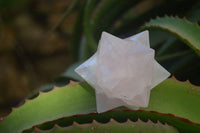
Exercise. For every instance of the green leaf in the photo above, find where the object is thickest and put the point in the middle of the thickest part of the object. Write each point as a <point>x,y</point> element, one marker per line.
<point>179,98</point>
<point>88,29</point>
<point>106,5</point>
<point>131,23</point>
<point>109,12</point>
<point>173,56</point>
<point>114,127</point>
<point>186,31</point>
<point>171,96</point>
<point>183,125</point>
<point>77,33</point>
<point>65,101</point>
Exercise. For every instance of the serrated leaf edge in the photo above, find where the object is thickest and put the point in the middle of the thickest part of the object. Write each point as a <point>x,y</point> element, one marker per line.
<point>77,83</point>
<point>96,122</point>
<point>175,33</point>
<point>112,119</point>
<point>40,93</point>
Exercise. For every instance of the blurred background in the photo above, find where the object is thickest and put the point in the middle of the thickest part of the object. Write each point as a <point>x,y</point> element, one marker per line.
<point>40,40</point>
<point>29,56</point>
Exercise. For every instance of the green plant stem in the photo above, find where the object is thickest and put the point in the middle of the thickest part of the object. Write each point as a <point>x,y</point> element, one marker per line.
<point>166,45</point>
<point>116,11</point>
<point>172,56</point>
<point>78,33</point>
<point>106,5</point>
<point>181,63</point>
<point>91,43</point>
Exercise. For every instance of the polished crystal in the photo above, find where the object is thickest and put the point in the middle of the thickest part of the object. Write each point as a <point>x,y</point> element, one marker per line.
<point>122,71</point>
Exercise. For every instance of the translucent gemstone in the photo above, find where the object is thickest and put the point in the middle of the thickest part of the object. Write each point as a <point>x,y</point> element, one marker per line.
<point>122,71</point>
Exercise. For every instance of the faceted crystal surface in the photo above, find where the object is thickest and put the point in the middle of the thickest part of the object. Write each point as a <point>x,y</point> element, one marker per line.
<point>122,71</point>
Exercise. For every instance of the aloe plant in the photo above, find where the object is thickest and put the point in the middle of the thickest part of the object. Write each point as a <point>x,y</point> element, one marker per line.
<point>79,98</point>
<point>113,126</point>
<point>174,105</point>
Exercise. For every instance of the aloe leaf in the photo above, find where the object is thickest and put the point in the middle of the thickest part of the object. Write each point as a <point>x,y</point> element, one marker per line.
<point>105,15</point>
<point>179,98</point>
<point>171,96</point>
<point>116,10</point>
<point>113,127</point>
<point>106,5</point>
<point>183,125</point>
<point>171,40</point>
<point>181,63</point>
<point>172,56</point>
<point>88,29</point>
<point>165,7</point>
<point>77,32</point>
<point>65,101</point>
<point>186,31</point>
